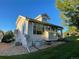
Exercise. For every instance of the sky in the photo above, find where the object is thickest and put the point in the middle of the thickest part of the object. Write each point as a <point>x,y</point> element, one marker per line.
<point>11,9</point>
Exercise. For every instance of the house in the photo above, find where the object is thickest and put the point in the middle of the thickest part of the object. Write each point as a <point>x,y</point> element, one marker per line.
<point>1,35</point>
<point>38,29</point>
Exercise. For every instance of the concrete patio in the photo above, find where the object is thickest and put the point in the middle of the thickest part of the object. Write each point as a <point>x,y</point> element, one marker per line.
<point>10,49</point>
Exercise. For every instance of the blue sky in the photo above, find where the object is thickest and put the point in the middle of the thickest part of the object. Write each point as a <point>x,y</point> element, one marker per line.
<point>10,9</point>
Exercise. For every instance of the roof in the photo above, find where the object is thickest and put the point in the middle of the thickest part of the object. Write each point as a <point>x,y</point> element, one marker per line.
<point>43,15</point>
<point>45,23</point>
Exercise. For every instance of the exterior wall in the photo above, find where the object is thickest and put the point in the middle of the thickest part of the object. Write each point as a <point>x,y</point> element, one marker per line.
<point>46,35</point>
<point>30,28</point>
<point>37,37</point>
<point>38,40</point>
<point>20,22</point>
<point>53,36</point>
<point>50,35</point>
<point>27,27</point>
<point>1,36</point>
<point>39,18</point>
<point>34,37</point>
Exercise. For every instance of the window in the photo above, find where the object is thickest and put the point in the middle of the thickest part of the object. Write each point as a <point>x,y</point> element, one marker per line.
<point>48,28</point>
<point>44,19</point>
<point>38,28</point>
<point>53,28</point>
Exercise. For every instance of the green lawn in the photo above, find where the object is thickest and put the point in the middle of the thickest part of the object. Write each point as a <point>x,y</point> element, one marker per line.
<point>65,51</point>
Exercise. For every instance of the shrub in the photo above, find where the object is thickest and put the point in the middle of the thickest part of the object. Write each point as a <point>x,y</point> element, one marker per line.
<point>71,38</point>
<point>8,37</point>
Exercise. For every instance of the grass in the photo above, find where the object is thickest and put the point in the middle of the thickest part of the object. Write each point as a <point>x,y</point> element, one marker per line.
<point>65,51</point>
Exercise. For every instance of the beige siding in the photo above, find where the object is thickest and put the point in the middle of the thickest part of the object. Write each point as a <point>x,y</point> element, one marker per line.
<point>30,28</point>
<point>39,19</point>
<point>37,37</point>
<point>20,22</point>
<point>46,35</point>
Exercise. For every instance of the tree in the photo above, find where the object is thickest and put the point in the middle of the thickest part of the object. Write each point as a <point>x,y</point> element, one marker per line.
<point>72,29</point>
<point>69,12</point>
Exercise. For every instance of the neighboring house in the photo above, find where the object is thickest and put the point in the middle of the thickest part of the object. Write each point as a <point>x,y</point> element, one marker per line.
<point>39,29</point>
<point>1,35</point>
